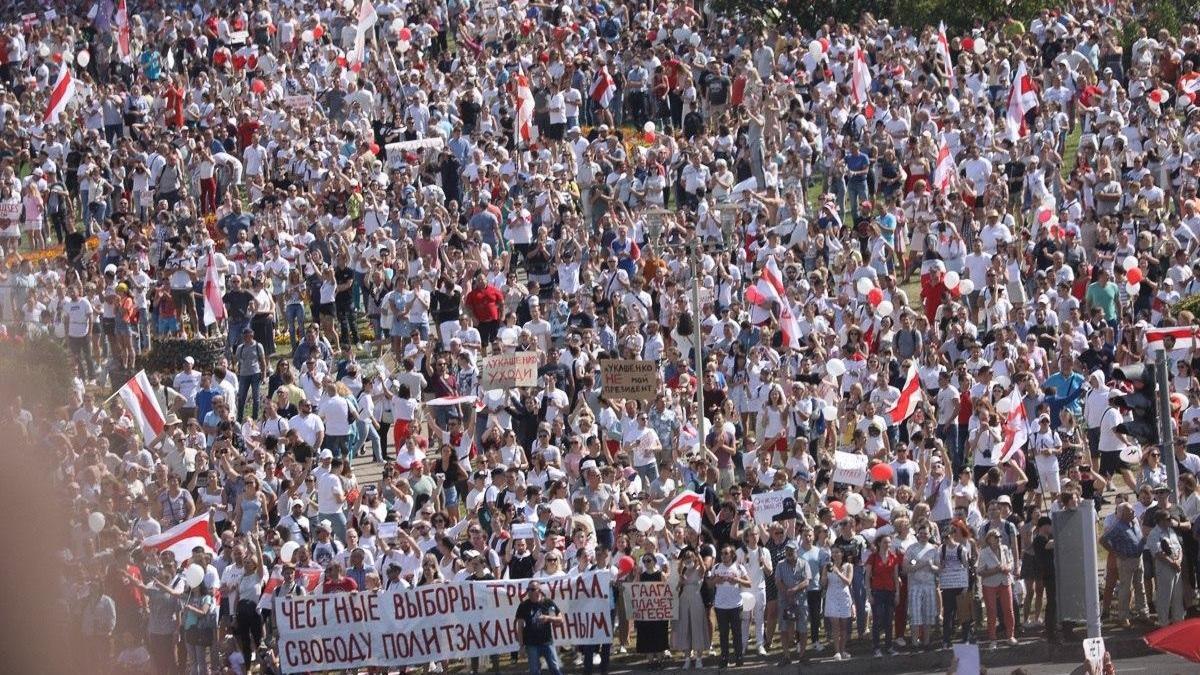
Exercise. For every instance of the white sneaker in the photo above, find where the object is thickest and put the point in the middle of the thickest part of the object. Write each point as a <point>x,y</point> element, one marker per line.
<point>837,656</point>
<point>878,654</point>
<point>622,650</point>
<point>900,642</point>
<point>762,651</point>
<point>596,659</point>
<point>579,659</point>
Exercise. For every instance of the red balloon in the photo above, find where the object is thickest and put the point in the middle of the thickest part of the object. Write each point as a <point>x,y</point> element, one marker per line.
<point>57,57</point>
<point>824,44</point>
<point>356,66</point>
<point>318,31</point>
<point>341,61</point>
<point>649,136</point>
<point>374,148</point>
<point>839,510</point>
<point>239,61</point>
<point>875,296</point>
<point>1134,275</point>
<point>968,44</point>
<point>405,34</point>
<point>258,86</point>
<point>625,564</point>
<point>219,57</point>
<point>882,473</point>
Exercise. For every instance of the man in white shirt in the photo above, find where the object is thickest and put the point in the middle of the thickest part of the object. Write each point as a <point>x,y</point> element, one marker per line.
<point>1112,442</point>
<point>308,425</point>
<point>79,315</point>
<point>331,495</point>
<point>336,413</point>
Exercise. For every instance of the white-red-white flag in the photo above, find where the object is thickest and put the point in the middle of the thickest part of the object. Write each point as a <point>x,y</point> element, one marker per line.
<point>603,88</point>
<point>122,23</point>
<point>1189,85</point>
<point>788,326</point>
<point>943,49</point>
<point>182,538</point>
<point>214,305</point>
<point>690,503</point>
<point>60,94</point>
<point>138,397</point>
<point>860,76</point>
<point>1022,97</point>
<point>769,287</point>
<point>1016,427</point>
<point>943,169</point>
<point>367,16</point>
<point>911,396</point>
<point>524,105</point>
<point>1186,337</point>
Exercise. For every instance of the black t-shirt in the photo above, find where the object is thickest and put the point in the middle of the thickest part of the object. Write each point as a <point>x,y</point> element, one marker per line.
<point>342,275</point>
<point>237,304</point>
<point>537,630</point>
<point>1044,557</point>
<point>521,567</point>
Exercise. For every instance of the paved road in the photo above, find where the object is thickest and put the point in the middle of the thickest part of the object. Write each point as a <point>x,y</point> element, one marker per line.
<point>1158,664</point>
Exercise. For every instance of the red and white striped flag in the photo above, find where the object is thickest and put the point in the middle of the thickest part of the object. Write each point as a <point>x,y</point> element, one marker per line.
<point>1190,85</point>
<point>214,305</point>
<point>860,76</point>
<point>367,16</point>
<point>122,22</point>
<point>943,170</point>
<point>1022,97</point>
<point>182,538</point>
<point>139,399</point>
<point>910,397</point>
<point>603,88</point>
<point>1016,427</point>
<point>309,578</point>
<point>688,502</point>
<point>769,287</point>
<point>60,95</point>
<point>1186,337</point>
<point>943,48</point>
<point>524,106</point>
<point>788,326</point>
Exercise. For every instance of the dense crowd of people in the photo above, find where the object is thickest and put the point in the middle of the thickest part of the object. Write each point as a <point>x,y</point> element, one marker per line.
<point>925,248</point>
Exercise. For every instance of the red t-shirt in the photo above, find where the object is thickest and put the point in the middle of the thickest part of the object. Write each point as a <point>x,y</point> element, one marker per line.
<point>883,577</point>
<point>485,303</point>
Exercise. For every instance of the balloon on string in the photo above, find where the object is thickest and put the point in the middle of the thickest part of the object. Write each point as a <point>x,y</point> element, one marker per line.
<point>405,34</point>
<point>979,47</point>
<point>43,50</point>
<point>1004,406</point>
<point>649,127</point>
<point>839,510</point>
<point>830,413</point>
<point>966,286</point>
<point>643,523</point>
<point>835,367</point>
<point>258,86</point>
<point>307,36</point>
<point>287,551</point>
<point>883,309</point>
<point>855,504</point>
<point>1129,263</point>
<point>374,148</point>
<point>559,508</point>
<point>748,601</point>
<point>625,564</point>
<point>194,575</point>
<point>318,31</point>
<point>1044,216</point>
<point>649,136</point>
<point>815,50</point>
<point>403,46</point>
<point>951,280</point>
<point>1134,275</point>
<point>882,473</point>
<point>864,285</point>
<point>658,522</point>
<point>968,44</point>
<point>1133,289</point>
<point>875,296</point>
<point>96,522</point>
<point>83,58</point>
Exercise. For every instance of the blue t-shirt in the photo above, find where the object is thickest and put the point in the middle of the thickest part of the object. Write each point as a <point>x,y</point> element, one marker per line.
<point>858,162</point>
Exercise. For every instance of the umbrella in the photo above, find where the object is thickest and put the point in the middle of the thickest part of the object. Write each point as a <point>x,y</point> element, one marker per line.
<point>1180,639</point>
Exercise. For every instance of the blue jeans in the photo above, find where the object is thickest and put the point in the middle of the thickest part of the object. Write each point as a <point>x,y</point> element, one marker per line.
<point>949,435</point>
<point>648,472</point>
<point>338,445</point>
<point>235,334</point>
<point>856,192</point>
<point>367,433</point>
<point>294,318</point>
<point>883,606</point>
<point>536,653</point>
<point>248,384</point>
<point>337,522</point>
<point>858,593</point>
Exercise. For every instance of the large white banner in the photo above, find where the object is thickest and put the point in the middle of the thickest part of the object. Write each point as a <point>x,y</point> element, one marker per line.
<point>416,626</point>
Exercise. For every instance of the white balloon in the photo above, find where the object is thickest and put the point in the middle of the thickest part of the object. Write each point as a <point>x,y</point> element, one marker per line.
<point>649,127</point>
<point>287,551</point>
<point>307,36</point>
<point>559,508</point>
<point>695,40</point>
<point>643,523</point>
<point>951,280</point>
<point>835,367</point>
<point>397,24</point>
<point>658,522</point>
<point>815,49</point>
<point>884,308</point>
<point>1133,289</point>
<point>403,46</point>
<point>1129,263</point>
<point>748,601</point>
<point>68,56</point>
<point>965,286</point>
<point>43,50</point>
<point>96,522</point>
<point>830,413</point>
<point>1004,406</point>
<point>864,285</point>
<point>980,46</point>
<point>855,504</point>
<point>348,5</point>
<point>194,575</point>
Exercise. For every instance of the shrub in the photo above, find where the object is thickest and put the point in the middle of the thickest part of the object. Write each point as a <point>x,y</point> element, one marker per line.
<point>166,356</point>
<point>39,371</point>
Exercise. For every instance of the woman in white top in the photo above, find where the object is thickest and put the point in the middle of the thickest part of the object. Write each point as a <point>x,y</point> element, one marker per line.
<point>839,608</point>
<point>729,577</point>
<point>985,441</point>
<point>995,571</point>
<point>758,563</point>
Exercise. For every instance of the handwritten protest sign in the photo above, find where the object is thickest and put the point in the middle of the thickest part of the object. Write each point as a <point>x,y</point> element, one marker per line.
<point>849,468</point>
<point>505,371</point>
<point>651,601</point>
<point>392,629</point>
<point>298,101</point>
<point>767,505</point>
<point>395,151</point>
<point>10,211</point>
<point>627,378</point>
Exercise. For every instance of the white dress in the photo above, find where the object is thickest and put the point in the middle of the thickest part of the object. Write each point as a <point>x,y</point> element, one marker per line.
<point>837,598</point>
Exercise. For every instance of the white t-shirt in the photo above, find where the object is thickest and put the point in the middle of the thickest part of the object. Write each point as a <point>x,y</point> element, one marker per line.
<point>728,595</point>
<point>79,317</point>
<point>307,427</point>
<point>335,411</point>
<point>329,493</point>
